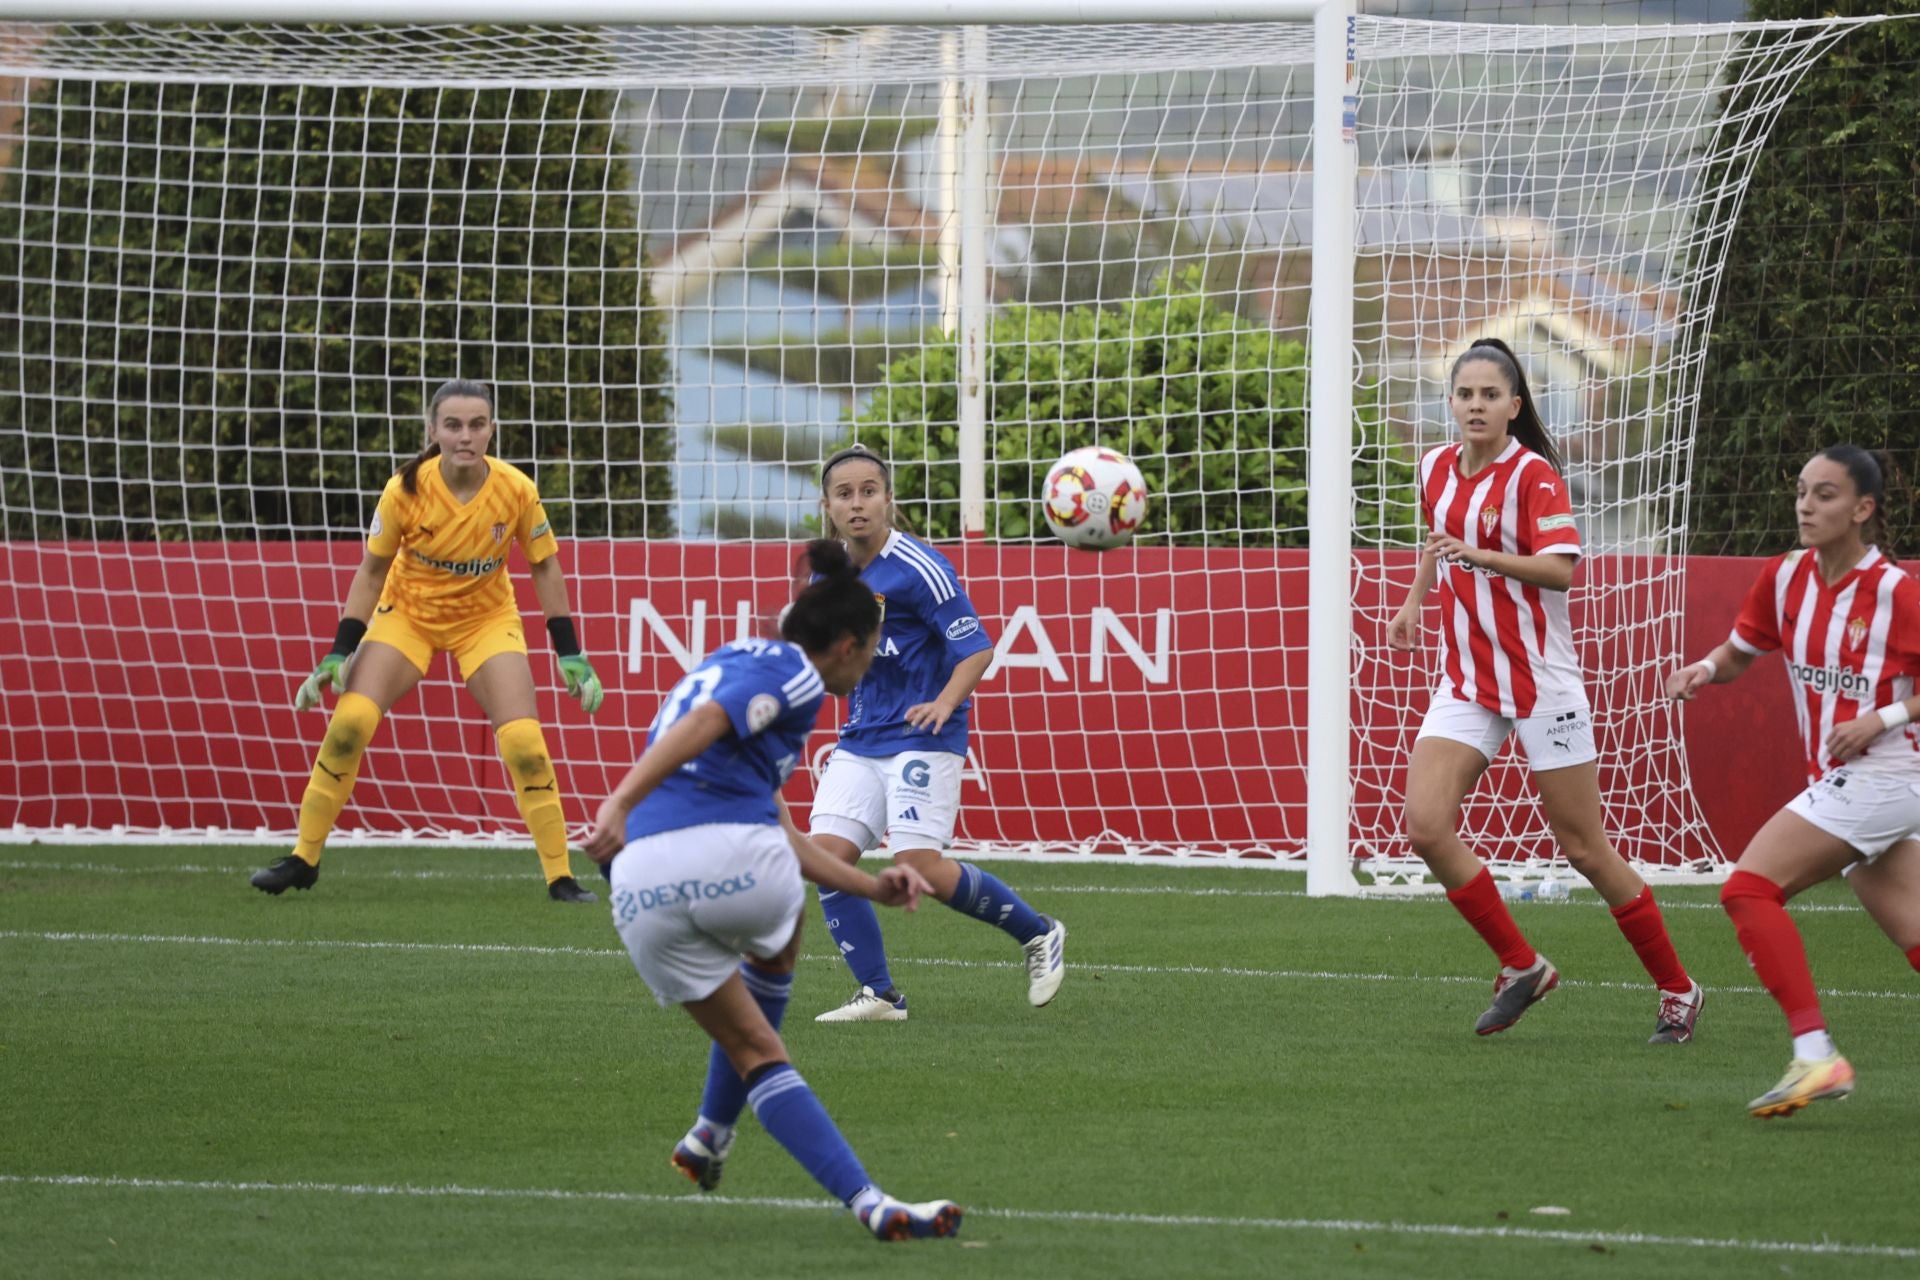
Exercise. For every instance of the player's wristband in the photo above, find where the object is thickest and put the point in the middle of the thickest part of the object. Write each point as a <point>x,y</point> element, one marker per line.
<point>1713,668</point>
<point>1894,715</point>
<point>566,641</point>
<point>347,638</point>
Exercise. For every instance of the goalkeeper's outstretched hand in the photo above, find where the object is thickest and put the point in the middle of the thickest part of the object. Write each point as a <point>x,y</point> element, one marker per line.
<point>331,671</point>
<point>582,683</point>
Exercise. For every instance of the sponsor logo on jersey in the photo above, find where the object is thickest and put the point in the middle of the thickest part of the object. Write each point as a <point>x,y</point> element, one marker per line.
<point>1547,524</point>
<point>1856,633</point>
<point>1489,517</point>
<point>462,568</point>
<point>762,711</point>
<point>961,628</point>
<point>1851,684</point>
<point>540,530</point>
<point>916,773</point>
<point>374,530</point>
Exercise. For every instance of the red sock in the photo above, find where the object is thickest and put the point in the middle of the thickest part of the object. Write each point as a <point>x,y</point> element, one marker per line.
<point>1913,957</point>
<point>1479,902</point>
<point>1640,921</point>
<point>1772,943</point>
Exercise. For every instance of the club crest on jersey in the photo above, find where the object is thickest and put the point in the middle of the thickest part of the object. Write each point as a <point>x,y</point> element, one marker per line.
<point>1856,633</point>
<point>499,532</point>
<point>1489,517</point>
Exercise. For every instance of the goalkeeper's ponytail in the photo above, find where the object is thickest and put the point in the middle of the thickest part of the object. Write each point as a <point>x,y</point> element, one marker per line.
<point>410,473</point>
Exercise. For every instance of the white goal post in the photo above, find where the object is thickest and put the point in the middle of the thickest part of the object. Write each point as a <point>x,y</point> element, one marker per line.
<point>221,249</point>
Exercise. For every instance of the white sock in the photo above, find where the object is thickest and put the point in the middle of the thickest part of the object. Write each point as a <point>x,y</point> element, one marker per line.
<point>1813,1046</point>
<point>864,1199</point>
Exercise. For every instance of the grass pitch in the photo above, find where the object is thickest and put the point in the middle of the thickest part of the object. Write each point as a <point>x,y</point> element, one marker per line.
<point>425,1068</point>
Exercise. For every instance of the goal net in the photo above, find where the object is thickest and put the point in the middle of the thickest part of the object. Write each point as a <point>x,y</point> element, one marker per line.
<point>235,260</point>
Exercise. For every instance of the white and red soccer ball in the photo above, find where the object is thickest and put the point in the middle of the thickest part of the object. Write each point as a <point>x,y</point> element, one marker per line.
<point>1094,499</point>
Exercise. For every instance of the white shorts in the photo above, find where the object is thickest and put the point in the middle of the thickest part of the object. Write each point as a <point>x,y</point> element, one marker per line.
<point>690,903</point>
<point>1871,811</point>
<point>1551,739</point>
<point>913,799</point>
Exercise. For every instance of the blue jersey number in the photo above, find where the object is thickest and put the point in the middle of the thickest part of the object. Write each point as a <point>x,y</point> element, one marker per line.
<point>688,694</point>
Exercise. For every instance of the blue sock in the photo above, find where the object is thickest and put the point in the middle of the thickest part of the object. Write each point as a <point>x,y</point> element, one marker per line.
<point>789,1111</point>
<point>856,931</point>
<point>726,1094</point>
<point>981,895</point>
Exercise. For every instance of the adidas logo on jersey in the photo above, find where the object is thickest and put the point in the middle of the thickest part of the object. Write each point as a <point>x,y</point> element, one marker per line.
<point>909,814</point>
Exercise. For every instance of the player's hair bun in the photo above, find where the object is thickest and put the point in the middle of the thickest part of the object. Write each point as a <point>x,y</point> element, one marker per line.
<point>836,602</point>
<point>829,558</point>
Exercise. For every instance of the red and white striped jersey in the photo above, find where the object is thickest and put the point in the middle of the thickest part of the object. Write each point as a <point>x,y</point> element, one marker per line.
<point>1505,644</point>
<point>1851,648</point>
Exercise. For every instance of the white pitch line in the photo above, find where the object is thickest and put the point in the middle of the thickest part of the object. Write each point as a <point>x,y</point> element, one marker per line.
<point>1445,1230</point>
<point>940,962</point>
<point>1131,891</point>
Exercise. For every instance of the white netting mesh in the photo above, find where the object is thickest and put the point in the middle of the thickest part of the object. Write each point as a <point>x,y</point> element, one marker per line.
<point>233,260</point>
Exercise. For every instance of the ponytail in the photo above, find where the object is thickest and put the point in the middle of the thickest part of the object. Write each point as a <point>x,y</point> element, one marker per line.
<point>410,473</point>
<point>835,603</point>
<point>1527,428</point>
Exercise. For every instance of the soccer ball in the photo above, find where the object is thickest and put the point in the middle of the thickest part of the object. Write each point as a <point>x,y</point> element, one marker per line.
<point>1094,499</point>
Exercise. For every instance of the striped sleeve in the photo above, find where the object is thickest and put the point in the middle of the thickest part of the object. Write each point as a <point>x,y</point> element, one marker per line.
<point>1757,628</point>
<point>1546,511</point>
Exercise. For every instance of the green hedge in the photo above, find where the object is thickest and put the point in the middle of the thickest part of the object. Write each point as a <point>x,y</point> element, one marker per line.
<point>1208,405</point>
<point>232,300</point>
<point>1817,336</point>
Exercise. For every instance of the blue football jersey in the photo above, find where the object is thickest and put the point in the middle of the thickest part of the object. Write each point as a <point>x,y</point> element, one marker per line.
<point>930,628</point>
<point>772,697</point>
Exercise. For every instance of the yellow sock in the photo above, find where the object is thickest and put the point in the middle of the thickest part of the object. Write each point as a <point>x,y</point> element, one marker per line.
<point>537,790</point>
<point>355,718</point>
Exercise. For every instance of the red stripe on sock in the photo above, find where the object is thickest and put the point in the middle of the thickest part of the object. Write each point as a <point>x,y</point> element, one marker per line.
<point>1478,901</point>
<point>1773,946</point>
<point>1913,957</point>
<point>1641,922</point>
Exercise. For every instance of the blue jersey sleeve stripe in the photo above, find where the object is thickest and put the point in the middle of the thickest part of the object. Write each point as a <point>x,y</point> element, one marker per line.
<point>803,691</point>
<point>938,581</point>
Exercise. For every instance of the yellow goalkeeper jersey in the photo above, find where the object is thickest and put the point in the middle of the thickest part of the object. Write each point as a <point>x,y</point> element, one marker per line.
<point>449,557</point>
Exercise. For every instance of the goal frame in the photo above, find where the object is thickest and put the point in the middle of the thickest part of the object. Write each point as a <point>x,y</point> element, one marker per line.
<point>1332,354</point>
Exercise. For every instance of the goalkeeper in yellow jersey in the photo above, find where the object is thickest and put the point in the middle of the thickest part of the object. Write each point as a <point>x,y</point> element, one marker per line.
<point>434,578</point>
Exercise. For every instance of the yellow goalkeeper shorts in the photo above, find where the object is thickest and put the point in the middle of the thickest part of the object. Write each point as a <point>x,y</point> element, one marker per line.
<point>471,641</point>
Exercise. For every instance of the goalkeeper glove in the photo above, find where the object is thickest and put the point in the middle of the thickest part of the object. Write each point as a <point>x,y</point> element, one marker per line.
<point>333,668</point>
<point>331,671</point>
<point>582,683</point>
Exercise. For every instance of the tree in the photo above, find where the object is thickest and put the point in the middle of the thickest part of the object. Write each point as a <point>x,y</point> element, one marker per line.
<point>233,299</point>
<point>1817,336</point>
<point>1209,405</point>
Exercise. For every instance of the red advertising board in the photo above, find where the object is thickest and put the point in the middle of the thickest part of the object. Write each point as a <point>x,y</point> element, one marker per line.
<point>1149,696</point>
